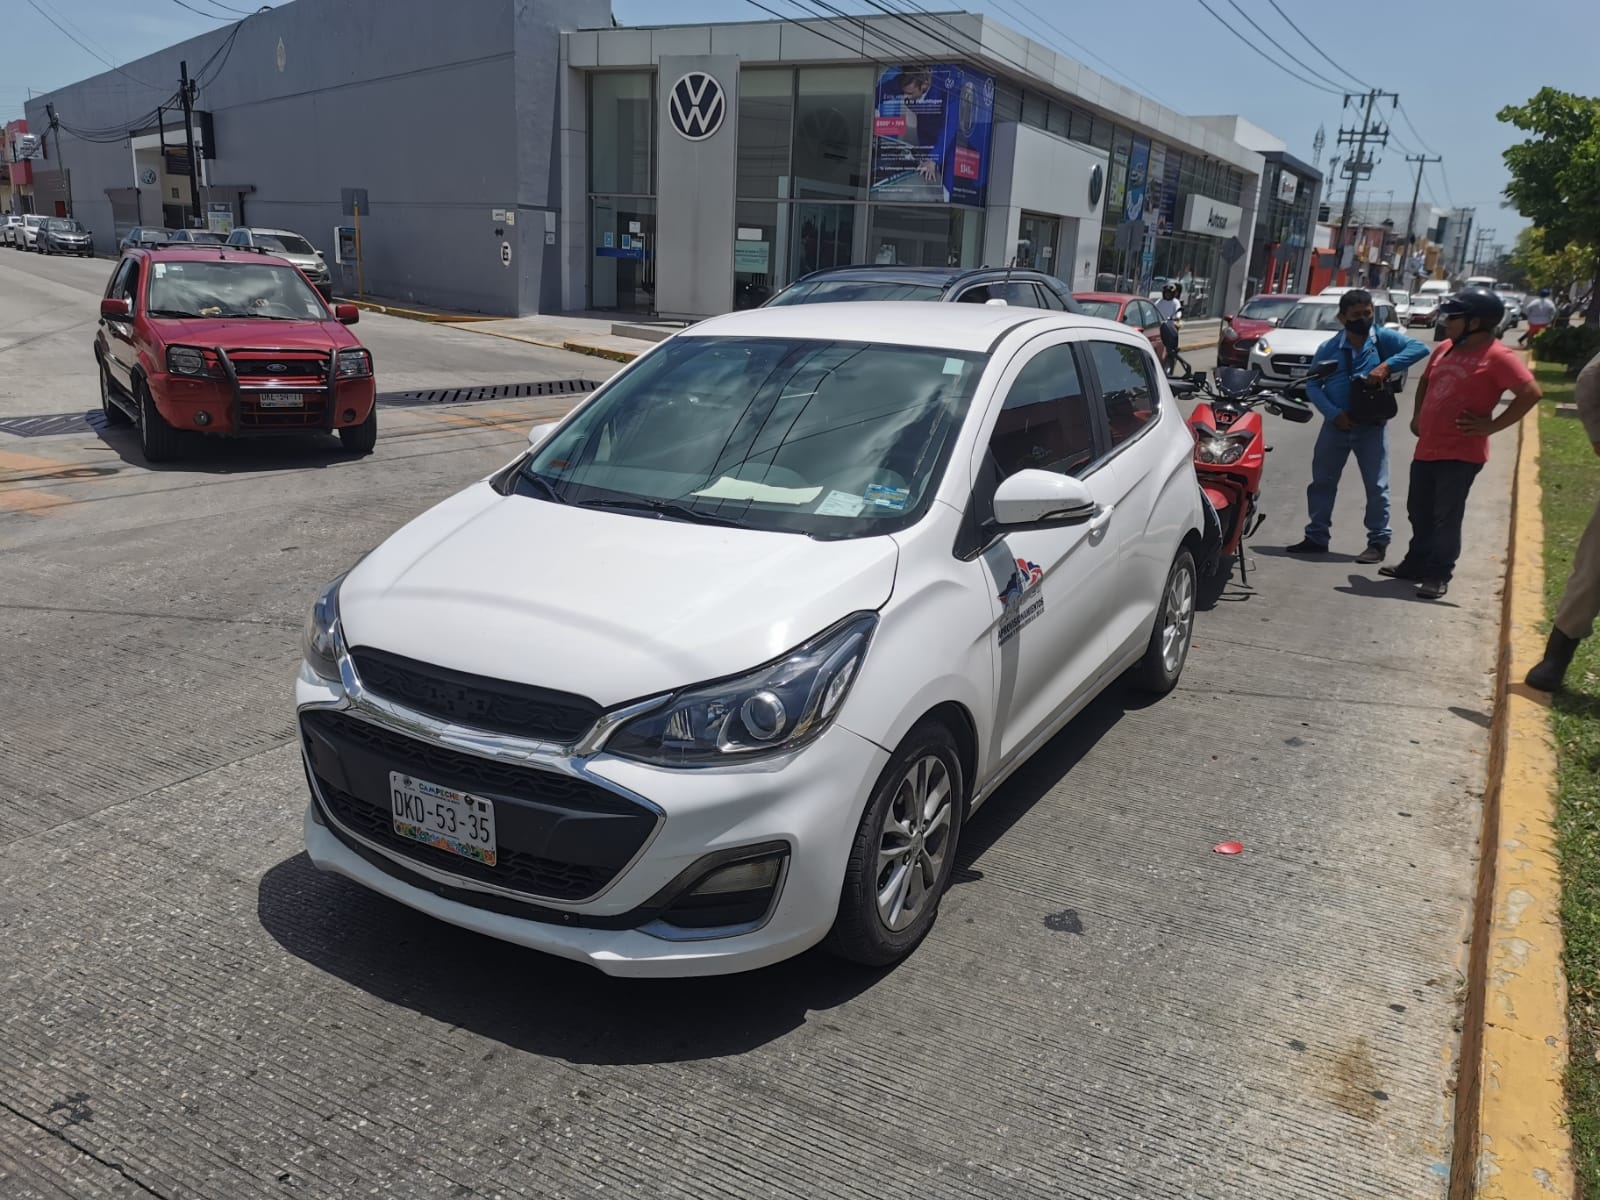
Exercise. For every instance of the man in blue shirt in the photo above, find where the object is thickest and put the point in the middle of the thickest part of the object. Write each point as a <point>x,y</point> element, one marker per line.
<point>1359,349</point>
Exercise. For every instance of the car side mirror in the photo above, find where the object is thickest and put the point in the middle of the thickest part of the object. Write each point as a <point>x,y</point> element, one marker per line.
<point>115,310</point>
<point>1273,320</point>
<point>538,434</point>
<point>1035,498</point>
<point>347,314</point>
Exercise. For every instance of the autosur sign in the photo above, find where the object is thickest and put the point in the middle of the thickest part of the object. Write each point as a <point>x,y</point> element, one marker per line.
<point>1202,214</point>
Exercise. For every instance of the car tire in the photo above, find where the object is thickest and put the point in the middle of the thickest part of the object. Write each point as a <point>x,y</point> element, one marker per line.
<point>904,851</point>
<point>1173,634</point>
<point>359,439</point>
<point>158,441</point>
<point>112,410</point>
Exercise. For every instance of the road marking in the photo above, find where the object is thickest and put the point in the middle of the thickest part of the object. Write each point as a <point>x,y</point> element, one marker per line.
<point>17,495</point>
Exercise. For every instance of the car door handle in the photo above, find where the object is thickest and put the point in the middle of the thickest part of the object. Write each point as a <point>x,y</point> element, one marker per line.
<point>1101,520</point>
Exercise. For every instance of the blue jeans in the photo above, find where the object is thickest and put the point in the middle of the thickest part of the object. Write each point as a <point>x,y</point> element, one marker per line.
<point>1370,445</point>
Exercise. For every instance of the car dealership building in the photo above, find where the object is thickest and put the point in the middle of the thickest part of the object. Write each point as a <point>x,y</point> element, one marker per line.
<point>533,158</point>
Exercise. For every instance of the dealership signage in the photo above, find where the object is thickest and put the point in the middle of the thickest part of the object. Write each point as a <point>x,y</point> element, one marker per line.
<point>1288,187</point>
<point>1202,214</point>
<point>697,106</point>
<point>931,129</point>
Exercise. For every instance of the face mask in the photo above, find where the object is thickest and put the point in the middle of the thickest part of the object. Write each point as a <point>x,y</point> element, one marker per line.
<point>1358,329</point>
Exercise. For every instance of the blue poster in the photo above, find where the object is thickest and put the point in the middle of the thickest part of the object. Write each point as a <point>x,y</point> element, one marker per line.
<point>930,134</point>
<point>1138,180</point>
<point>1169,191</point>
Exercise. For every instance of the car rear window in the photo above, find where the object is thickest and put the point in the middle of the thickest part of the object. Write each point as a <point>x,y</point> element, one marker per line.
<point>1109,309</point>
<point>1264,308</point>
<point>287,242</point>
<point>836,291</point>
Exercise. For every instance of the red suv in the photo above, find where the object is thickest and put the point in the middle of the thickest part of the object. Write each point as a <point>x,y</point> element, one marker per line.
<point>232,342</point>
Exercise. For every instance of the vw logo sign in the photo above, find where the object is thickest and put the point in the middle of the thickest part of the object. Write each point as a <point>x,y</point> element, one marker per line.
<point>1097,180</point>
<point>696,106</point>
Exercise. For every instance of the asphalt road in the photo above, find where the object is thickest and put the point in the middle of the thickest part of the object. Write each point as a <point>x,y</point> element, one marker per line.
<point>1106,1008</point>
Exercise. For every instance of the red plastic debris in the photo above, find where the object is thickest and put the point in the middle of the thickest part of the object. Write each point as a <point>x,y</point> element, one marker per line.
<point>1228,848</point>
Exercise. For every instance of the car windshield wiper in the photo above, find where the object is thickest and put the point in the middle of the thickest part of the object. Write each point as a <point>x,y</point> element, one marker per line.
<point>542,485</point>
<point>170,312</point>
<point>665,508</point>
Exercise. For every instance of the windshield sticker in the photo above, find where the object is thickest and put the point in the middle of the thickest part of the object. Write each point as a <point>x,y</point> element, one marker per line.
<point>841,504</point>
<point>729,488</point>
<point>884,496</point>
<point>952,366</point>
<point>161,269</point>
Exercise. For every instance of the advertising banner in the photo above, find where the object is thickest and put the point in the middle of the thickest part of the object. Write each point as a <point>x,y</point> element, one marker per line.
<point>1117,189</point>
<point>931,129</point>
<point>1155,197</point>
<point>1138,179</point>
<point>1169,191</point>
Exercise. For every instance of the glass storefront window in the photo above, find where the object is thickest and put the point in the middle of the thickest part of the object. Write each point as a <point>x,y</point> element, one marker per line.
<point>1057,118</point>
<point>622,132</point>
<point>1033,109</point>
<point>766,117</point>
<point>622,272</point>
<point>832,132</point>
<point>758,261</point>
<point>925,236</point>
<point>1007,103</point>
<point>821,235</point>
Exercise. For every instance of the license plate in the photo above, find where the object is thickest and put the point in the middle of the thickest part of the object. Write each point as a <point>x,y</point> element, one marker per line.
<point>1294,371</point>
<point>281,399</point>
<point>457,822</point>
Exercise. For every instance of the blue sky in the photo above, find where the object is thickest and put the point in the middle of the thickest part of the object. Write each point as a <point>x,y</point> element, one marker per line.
<point>1454,64</point>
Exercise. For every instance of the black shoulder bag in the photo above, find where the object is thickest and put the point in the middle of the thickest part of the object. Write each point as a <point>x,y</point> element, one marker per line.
<point>1371,402</point>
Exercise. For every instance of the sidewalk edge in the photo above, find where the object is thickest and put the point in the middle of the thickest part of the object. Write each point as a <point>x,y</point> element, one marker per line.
<point>1511,1139</point>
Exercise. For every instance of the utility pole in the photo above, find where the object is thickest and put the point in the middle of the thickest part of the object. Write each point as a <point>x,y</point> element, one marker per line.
<point>1422,160</point>
<point>1477,247</point>
<point>55,128</point>
<point>1359,166</point>
<point>187,88</point>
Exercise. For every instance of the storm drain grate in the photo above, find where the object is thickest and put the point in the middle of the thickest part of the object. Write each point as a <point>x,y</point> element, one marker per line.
<point>56,424</point>
<point>52,425</point>
<point>493,391</point>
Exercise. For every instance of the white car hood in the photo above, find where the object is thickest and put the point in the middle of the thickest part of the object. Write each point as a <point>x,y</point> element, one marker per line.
<point>1295,341</point>
<point>609,605</point>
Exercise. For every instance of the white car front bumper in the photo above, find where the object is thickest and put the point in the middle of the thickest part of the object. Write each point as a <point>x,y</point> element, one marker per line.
<point>805,805</point>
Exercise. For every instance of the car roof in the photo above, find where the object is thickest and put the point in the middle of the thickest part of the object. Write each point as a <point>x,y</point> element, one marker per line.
<point>939,276</point>
<point>274,232</point>
<point>961,327</point>
<point>203,253</point>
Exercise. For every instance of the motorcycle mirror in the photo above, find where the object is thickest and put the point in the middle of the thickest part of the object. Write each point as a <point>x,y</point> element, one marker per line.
<point>1296,413</point>
<point>1323,369</point>
<point>1183,387</point>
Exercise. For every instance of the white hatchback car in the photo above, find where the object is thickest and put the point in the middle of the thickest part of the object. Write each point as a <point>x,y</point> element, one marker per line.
<point>721,665</point>
<point>1284,355</point>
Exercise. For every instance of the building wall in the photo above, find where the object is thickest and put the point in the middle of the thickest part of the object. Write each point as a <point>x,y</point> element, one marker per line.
<point>1036,171</point>
<point>426,110</point>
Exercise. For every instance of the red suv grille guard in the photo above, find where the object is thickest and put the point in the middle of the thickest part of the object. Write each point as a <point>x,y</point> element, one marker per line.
<point>312,374</point>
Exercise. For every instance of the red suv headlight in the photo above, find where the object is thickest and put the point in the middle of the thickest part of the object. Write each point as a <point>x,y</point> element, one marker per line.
<point>355,364</point>
<point>191,361</point>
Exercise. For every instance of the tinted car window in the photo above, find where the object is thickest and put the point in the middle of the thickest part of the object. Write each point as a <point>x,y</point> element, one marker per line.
<point>286,242</point>
<point>1127,387</point>
<point>1013,292</point>
<point>1312,316</point>
<point>1107,309</point>
<point>1264,308</point>
<point>832,291</point>
<point>1052,299</point>
<point>1045,422</point>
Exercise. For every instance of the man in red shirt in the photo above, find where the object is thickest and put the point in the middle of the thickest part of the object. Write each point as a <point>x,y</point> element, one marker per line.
<point>1454,416</point>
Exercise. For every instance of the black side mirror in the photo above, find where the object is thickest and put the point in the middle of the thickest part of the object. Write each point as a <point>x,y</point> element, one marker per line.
<point>1183,387</point>
<point>1323,370</point>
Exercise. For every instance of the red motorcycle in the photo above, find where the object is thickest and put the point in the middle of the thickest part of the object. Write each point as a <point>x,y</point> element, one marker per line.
<point>1230,450</point>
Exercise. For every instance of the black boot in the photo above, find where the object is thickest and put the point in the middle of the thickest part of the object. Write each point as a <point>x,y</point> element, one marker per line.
<point>1558,652</point>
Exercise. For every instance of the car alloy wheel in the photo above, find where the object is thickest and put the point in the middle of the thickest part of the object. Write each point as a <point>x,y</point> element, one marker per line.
<point>913,842</point>
<point>1173,633</point>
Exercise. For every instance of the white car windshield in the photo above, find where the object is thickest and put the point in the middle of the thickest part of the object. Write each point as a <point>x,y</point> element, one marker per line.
<point>1264,308</point>
<point>1312,316</point>
<point>232,289</point>
<point>288,243</point>
<point>824,438</point>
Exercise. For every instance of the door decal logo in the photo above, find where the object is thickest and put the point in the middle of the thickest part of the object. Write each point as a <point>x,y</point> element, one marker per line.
<point>1022,598</point>
<point>1025,577</point>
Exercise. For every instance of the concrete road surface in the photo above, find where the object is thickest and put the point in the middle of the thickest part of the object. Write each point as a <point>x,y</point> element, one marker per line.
<point>1105,1009</point>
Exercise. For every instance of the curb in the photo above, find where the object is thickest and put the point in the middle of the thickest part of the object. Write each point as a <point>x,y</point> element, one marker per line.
<point>621,356</point>
<point>1511,1137</point>
<point>414,314</point>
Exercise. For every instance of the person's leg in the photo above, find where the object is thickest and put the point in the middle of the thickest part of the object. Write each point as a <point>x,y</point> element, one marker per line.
<point>1327,464</point>
<point>1575,615</point>
<point>1372,456</point>
<point>1419,512</point>
<point>1449,512</point>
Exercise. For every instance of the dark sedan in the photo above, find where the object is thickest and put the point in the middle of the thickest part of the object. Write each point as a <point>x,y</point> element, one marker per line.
<point>63,235</point>
<point>144,237</point>
<point>1023,288</point>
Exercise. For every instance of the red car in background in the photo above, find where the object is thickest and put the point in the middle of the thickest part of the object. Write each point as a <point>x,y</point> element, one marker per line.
<point>1239,333</point>
<point>1126,310</point>
<point>231,342</point>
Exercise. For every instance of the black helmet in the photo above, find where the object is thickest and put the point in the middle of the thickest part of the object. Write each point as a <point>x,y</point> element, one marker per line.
<point>1475,302</point>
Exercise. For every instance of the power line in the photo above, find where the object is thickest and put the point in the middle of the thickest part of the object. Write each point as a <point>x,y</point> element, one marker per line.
<point>200,12</point>
<point>1069,40</point>
<point>34,4</point>
<point>896,46</point>
<point>1299,62</point>
<point>1413,128</point>
<point>772,12</point>
<point>1314,45</point>
<point>1223,21</point>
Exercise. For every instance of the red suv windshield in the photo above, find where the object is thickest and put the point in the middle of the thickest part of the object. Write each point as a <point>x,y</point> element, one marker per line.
<point>232,289</point>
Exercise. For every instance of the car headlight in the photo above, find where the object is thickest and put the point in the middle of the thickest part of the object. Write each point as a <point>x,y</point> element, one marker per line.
<point>1229,333</point>
<point>320,641</point>
<point>1262,347</point>
<point>774,708</point>
<point>1223,448</point>
<point>187,360</point>
<point>354,364</point>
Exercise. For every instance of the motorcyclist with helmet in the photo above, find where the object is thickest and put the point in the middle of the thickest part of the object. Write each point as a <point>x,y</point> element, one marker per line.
<point>1453,420</point>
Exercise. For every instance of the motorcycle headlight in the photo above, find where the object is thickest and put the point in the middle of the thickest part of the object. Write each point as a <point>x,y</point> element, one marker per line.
<point>320,641</point>
<point>1223,448</point>
<point>774,708</point>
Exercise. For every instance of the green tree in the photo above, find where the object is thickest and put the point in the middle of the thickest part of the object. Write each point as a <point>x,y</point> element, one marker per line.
<point>1555,174</point>
<point>1533,263</point>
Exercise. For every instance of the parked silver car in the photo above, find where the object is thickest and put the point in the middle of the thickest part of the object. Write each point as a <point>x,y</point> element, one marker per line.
<point>25,236</point>
<point>286,244</point>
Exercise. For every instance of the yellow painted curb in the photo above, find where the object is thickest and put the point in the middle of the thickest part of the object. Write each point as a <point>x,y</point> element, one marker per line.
<point>621,356</point>
<point>1512,1141</point>
<point>414,314</point>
